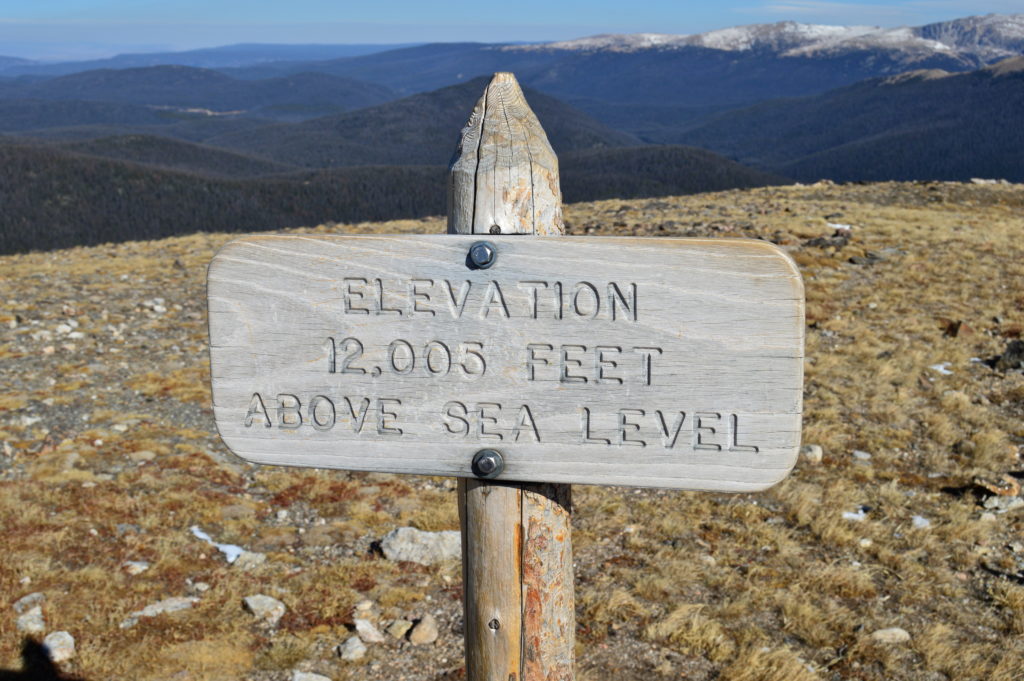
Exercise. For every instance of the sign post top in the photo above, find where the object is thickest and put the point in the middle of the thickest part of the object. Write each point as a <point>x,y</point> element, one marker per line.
<point>503,178</point>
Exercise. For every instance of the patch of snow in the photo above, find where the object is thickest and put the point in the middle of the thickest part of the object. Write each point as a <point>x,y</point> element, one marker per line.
<point>231,551</point>
<point>920,522</point>
<point>942,368</point>
<point>989,37</point>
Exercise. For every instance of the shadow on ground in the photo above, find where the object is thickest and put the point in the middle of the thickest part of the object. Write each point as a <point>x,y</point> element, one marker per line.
<point>37,666</point>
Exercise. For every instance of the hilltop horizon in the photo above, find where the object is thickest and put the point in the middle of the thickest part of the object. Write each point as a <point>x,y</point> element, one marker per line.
<point>48,51</point>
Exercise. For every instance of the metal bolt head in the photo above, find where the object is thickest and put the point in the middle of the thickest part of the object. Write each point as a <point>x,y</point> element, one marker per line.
<point>488,464</point>
<point>482,255</point>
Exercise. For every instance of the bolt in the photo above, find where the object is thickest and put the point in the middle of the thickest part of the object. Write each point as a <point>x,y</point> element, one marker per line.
<point>488,464</point>
<point>494,625</point>
<point>482,255</point>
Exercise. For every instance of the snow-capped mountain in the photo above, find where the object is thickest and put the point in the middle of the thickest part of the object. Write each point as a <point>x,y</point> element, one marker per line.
<point>991,37</point>
<point>777,37</point>
<point>985,38</point>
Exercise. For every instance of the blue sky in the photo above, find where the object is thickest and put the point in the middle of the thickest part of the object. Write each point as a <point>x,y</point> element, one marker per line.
<point>55,29</point>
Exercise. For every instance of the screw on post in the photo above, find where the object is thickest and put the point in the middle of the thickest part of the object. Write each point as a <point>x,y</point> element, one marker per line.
<point>488,464</point>
<point>482,255</point>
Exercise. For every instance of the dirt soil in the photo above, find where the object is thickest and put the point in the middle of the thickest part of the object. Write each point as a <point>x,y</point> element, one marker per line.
<point>911,520</point>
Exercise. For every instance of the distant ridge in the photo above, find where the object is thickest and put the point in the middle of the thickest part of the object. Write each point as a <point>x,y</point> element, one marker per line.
<point>22,115</point>
<point>291,97</point>
<point>639,83</point>
<point>421,129</point>
<point>923,125</point>
<point>227,56</point>
<point>171,154</point>
<point>647,85</point>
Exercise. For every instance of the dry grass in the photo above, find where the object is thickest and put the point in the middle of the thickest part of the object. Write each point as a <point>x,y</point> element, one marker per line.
<point>123,461</point>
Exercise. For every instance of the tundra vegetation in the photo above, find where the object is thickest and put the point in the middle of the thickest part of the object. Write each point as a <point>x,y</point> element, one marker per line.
<point>910,520</point>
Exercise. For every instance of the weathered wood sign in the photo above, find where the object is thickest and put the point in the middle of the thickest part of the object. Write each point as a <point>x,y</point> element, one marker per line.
<point>627,361</point>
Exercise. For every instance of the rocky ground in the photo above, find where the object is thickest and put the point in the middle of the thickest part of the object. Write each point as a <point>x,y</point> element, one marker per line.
<point>137,547</point>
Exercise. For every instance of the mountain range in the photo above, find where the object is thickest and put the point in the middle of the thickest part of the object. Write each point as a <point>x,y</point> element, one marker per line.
<point>218,138</point>
<point>296,96</point>
<point>928,124</point>
<point>247,54</point>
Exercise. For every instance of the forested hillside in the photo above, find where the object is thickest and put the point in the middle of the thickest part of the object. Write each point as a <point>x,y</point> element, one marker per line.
<point>921,125</point>
<point>55,200</point>
<point>80,199</point>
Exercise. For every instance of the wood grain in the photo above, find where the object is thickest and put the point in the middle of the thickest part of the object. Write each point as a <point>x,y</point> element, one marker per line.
<point>518,580</point>
<point>520,616</point>
<point>504,177</point>
<point>725,316</point>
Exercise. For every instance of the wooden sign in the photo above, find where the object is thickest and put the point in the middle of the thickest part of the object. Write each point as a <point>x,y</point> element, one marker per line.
<point>621,361</point>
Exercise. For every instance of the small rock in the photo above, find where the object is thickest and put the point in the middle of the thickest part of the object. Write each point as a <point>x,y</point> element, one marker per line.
<point>812,454</point>
<point>1012,358</point>
<point>1005,486</point>
<point>308,676</point>
<point>407,544</point>
<point>29,601</point>
<point>424,632</point>
<point>861,455</point>
<point>858,516</point>
<point>168,605</point>
<point>920,522</point>
<point>249,560</point>
<point>1003,504</point>
<point>891,635</point>
<point>265,608</point>
<point>60,645</point>
<point>865,543</point>
<point>32,622</point>
<point>135,567</point>
<point>351,650</point>
<point>399,628</point>
<point>987,517</point>
<point>368,632</point>
<point>142,455</point>
<point>364,605</point>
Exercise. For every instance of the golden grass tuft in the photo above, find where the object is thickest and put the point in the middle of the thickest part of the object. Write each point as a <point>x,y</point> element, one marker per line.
<point>768,664</point>
<point>601,611</point>
<point>689,632</point>
<point>1010,597</point>
<point>191,384</point>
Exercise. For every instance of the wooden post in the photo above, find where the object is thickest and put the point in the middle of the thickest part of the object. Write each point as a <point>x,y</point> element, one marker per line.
<point>516,538</point>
